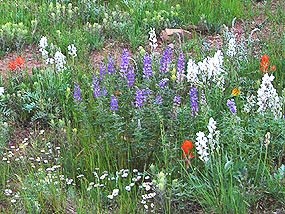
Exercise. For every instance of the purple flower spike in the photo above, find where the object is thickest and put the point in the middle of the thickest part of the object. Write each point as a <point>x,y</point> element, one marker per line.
<point>141,97</point>
<point>77,93</point>
<point>125,62</point>
<point>180,67</point>
<point>111,66</point>
<point>163,83</point>
<point>102,71</point>
<point>147,67</point>
<point>166,60</point>
<point>96,87</point>
<point>158,100</point>
<point>114,104</point>
<point>177,100</point>
<point>194,100</point>
<point>232,106</point>
<point>104,92</point>
<point>131,77</point>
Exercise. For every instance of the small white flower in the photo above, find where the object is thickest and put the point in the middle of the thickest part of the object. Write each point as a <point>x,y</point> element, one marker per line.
<point>7,192</point>
<point>72,50</point>
<point>128,188</point>
<point>110,197</point>
<point>115,192</point>
<point>2,90</point>
<point>80,176</point>
<point>102,177</point>
<point>124,175</point>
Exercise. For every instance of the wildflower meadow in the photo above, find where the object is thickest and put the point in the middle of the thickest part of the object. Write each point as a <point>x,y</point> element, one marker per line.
<point>145,106</point>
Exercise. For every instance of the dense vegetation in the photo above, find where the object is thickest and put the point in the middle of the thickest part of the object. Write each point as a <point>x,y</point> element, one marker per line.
<point>119,118</point>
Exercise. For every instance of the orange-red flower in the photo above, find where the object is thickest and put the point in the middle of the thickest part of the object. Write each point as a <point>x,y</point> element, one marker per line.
<point>20,61</point>
<point>264,63</point>
<point>12,66</point>
<point>187,148</point>
<point>17,63</point>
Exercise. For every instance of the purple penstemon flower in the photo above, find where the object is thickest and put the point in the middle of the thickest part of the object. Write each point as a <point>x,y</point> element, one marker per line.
<point>166,60</point>
<point>163,83</point>
<point>147,67</point>
<point>131,77</point>
<point>194,101</point>
<point>180,67</point>
<point>125,62</point>
<point>77,93</point>
<point>111,66</point>
<point>114,104</point>
<point>232,106</point>
<point>96,87</point>
<point>177,100</point>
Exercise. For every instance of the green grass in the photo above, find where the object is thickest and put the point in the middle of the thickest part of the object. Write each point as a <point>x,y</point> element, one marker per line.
<point>59,154</point>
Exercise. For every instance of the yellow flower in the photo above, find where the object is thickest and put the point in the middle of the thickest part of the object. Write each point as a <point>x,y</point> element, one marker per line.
<point>173,74</point>
<point>235,92</point>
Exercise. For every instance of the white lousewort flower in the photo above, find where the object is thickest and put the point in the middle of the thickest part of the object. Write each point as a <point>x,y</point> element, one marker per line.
<point>72,50</point>
<point>2,90</point>
<point>213,136</point>
<point>152,39</point>
<point>43,43</point>
<point>267,97</point>
<point>202,147</point>
<point>231,52</point>
<point>59,60</point>
<point>267,139</point>
<point>192,72</point>
<point>208,71</point>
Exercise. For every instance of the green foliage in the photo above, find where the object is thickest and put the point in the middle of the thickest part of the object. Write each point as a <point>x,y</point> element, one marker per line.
<point>12,36</point>
<point>62,154</point>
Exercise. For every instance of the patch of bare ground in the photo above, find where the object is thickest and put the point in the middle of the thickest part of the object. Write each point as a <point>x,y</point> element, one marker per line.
<point>268,205</point>
<point>31,56</point>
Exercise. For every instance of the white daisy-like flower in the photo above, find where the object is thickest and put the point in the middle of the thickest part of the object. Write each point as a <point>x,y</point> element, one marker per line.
<point>115,192</point>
